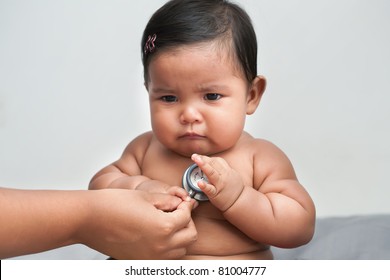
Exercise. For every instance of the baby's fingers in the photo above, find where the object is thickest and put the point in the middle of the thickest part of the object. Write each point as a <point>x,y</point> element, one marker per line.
<point>209,190</point>
<point>213,168</point>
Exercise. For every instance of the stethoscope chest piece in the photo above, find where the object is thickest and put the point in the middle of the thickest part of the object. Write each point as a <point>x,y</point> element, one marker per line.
<point>191,177</point>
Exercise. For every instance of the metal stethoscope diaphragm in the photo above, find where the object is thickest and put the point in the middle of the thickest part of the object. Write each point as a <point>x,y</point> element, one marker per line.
<point>191,177</point>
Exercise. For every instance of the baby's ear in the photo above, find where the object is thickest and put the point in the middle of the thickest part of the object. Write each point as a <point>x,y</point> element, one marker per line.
<point>255,93</point>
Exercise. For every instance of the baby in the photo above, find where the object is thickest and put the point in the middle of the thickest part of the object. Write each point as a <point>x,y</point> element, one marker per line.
<point>200,72</point>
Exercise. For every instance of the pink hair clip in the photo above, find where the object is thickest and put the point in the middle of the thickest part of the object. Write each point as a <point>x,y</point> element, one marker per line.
<point>149,45</point>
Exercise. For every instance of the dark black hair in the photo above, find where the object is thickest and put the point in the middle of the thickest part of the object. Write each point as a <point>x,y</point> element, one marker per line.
<point>184,22</point>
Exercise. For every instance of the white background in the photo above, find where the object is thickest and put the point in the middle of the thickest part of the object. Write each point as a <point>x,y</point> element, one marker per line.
<point>72,96</point>
<point>200,269</point>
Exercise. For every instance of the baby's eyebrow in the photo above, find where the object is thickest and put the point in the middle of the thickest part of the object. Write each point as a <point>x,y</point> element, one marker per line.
<point>212,88</point>
<point>161,90</point>
<point>200,88</point>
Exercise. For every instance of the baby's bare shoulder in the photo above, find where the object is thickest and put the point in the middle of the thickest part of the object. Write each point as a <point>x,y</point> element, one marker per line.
<point>134,152</point>
<point>139,144</point>
<point>260,147</point>
<point>264,149</point>
<point>269,161</point>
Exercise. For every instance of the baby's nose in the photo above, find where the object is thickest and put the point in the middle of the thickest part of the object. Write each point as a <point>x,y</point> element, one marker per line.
<point>190,114</point>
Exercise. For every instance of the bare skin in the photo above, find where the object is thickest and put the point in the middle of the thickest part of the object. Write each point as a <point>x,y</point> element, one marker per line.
<point>199,100</point>
<point>243,219</point>
<point>38,220</point>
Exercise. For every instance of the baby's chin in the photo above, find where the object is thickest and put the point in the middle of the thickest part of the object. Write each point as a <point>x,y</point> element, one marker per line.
<point>187,153</point>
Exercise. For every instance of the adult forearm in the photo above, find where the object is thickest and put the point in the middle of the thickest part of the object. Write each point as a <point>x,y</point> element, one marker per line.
<point>35,221</point>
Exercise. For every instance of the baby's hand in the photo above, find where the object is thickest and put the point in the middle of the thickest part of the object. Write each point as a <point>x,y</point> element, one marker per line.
<point>225,184</point>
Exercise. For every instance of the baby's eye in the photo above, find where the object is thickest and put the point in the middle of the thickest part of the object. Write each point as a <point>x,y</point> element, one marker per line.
<point>212,96</point>
<point>169,98</point>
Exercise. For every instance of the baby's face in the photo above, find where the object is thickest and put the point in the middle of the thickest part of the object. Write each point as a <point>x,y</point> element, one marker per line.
<point>198,100</point>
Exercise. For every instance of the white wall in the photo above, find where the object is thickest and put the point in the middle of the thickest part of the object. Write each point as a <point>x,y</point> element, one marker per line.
<point>72,96</point>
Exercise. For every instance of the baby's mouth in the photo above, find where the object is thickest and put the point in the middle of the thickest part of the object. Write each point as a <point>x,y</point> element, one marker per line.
<point>192,135</point>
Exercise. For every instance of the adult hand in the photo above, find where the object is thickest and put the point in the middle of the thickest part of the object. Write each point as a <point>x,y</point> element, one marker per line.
<point>155,186</point>
<point>135,225</point>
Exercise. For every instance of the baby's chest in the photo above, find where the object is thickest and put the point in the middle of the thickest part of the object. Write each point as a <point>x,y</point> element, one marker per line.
<point>167,170</point>
<point>171,171</point>
<point>161,164</point>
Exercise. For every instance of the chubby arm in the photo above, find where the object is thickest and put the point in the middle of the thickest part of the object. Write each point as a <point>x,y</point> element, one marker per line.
<point>277,210</point>
<point>126,172</point>
<point>39,220</point>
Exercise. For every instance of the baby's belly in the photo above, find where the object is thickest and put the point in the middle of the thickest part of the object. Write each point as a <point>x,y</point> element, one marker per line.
<point>218,238</point>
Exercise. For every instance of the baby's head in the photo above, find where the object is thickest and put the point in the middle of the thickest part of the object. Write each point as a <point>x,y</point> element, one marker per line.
<point>185,22</point>
<point>200,72</point>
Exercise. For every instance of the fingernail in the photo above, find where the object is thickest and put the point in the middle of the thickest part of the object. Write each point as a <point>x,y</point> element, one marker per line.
<point>195,157</point>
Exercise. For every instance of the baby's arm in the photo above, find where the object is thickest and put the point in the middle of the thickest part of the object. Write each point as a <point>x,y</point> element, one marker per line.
<point>276,211</point>
<point>126,173</point>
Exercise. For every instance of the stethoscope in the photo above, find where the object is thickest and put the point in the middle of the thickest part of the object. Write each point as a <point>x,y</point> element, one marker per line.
<point>191,177</point>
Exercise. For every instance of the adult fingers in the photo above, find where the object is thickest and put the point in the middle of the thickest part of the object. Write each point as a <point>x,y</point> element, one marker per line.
<point>181,240</point>
<point>185,232</point>
<point>164,202</point>
<point>179,192</point>
<point>181,219</point>
<point>182,215</point>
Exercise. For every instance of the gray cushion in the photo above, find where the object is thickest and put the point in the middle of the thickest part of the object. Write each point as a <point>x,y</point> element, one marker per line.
<point>341,238</point>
